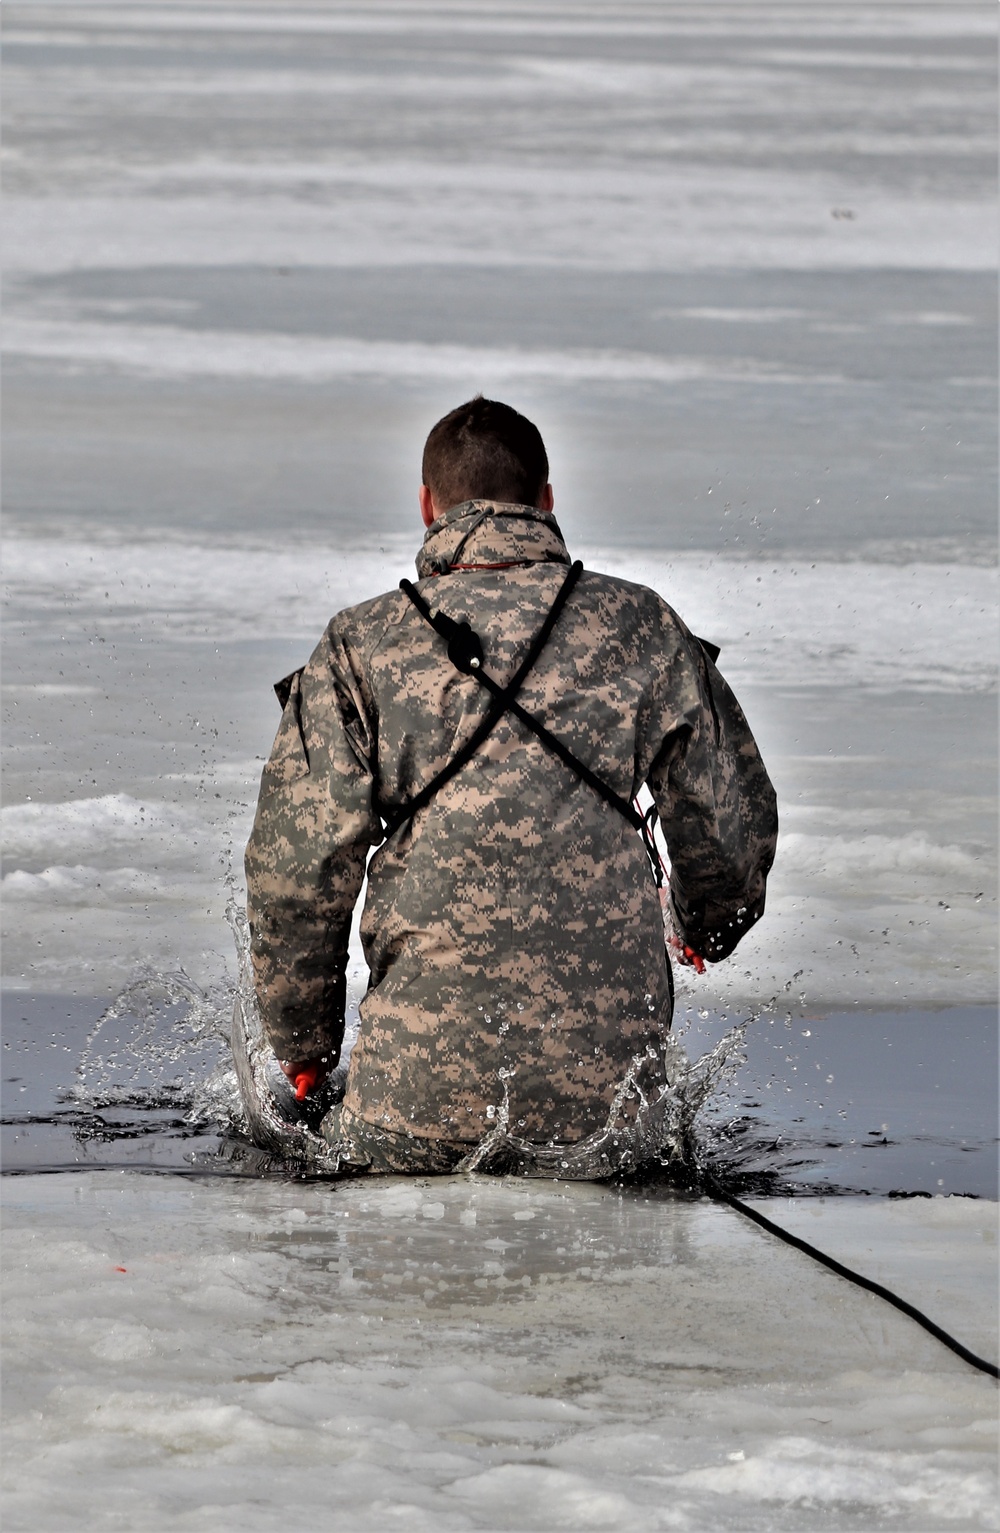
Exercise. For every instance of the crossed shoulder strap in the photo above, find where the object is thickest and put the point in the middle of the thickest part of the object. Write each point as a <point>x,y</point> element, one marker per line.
<point>465,651</point>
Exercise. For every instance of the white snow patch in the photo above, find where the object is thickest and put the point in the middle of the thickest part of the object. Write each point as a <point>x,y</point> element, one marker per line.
<point>169,351</point>
<point>79,885</point>
<point>780,622</point>
<point>625,219</point>
<point>804,1471</point>
<point>843,860</point>
<point>109,826</point>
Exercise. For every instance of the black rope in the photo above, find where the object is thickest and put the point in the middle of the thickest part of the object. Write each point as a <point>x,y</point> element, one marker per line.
<point>716,1190</point>
<point>503,699</point>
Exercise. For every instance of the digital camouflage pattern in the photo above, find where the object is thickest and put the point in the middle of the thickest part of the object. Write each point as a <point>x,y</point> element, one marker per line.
<point>512,928</point>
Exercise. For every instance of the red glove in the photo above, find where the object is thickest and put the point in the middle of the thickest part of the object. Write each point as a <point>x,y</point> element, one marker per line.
<point>305,1074</point>
<point>687,955</point>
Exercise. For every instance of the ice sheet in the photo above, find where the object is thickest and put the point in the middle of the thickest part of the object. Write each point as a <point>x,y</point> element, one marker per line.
<point>617,223</point>
<point>654,136</point>
<point>468,1354</point>
<point>165,351</point>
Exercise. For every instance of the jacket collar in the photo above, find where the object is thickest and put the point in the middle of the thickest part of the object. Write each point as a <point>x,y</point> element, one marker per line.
<point>485,532</point>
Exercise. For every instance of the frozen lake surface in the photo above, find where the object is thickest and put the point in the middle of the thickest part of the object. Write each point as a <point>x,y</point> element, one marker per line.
<point>474,1354</point>
<point>737,260</point>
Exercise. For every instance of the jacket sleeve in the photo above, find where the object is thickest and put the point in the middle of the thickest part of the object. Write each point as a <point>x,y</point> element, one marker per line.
<point>305,861</point>
<point>717,808</point>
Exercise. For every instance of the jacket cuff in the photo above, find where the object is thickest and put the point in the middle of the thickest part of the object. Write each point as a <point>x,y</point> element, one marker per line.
<point>311,1029</point>
<point>713,929</point>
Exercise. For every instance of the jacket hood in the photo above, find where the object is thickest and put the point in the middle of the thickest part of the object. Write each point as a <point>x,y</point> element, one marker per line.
<point>485,532</point>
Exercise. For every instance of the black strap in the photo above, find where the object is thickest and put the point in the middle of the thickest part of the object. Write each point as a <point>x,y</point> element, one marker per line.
<point>556,746</point>
<point>465,651</point>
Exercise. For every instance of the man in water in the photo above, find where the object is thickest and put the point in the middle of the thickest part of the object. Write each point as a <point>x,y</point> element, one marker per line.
<point>487,730</point>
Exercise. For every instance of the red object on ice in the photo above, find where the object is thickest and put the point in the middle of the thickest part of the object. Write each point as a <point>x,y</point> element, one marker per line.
<point>305,1081</point>
<point>121,1269</point>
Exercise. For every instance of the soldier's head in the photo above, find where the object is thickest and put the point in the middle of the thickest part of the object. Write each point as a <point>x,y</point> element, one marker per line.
<point>484,450</point>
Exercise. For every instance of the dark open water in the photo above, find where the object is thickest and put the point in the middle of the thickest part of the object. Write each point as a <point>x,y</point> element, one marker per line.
<point>898,1103</point>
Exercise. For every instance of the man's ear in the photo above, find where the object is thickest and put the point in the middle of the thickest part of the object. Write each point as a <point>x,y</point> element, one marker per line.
<point>546,499</point>
<point>427,507</point>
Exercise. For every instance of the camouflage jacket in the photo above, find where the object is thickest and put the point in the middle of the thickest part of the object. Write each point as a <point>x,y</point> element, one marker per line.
<point>512,927</point>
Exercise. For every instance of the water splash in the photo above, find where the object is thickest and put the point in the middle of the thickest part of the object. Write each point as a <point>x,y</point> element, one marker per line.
<point>661,1132</point>
<point>151,1045</point>
<point>163,1043</point>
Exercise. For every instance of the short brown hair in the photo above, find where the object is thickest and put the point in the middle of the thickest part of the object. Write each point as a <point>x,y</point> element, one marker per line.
<point>485,450</point>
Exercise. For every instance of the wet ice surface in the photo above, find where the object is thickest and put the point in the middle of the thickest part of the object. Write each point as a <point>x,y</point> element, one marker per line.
<point>468,1353</point>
